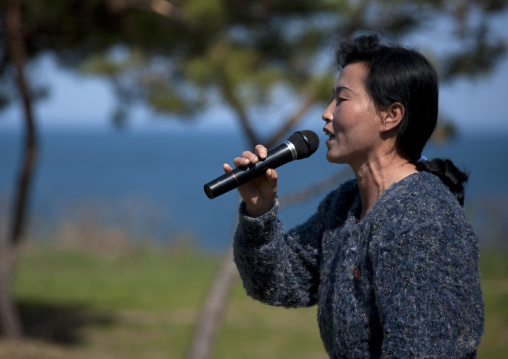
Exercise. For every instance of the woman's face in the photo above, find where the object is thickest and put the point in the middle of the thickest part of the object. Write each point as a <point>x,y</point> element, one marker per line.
<point>353,122</point>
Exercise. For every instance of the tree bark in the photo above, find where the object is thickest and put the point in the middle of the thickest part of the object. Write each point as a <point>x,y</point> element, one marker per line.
<point>306,104</point>
<point>11,323</point>
<point>308,193</point>
<point>10,251</point>
<point>213,311</point>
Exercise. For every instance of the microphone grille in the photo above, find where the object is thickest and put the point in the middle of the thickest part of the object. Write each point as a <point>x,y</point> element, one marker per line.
<point>306,143</point>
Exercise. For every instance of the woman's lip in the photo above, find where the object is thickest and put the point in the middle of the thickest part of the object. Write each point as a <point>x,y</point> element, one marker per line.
<point>330,136</point>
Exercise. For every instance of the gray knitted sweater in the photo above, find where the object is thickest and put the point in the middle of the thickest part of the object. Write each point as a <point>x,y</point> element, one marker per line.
<point>402,283</point>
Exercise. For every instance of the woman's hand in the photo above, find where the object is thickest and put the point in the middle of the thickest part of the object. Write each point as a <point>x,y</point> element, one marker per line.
<point>258,194</point>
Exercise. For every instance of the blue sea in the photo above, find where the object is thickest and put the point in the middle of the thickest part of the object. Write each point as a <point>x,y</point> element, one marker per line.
<point>151,184</point>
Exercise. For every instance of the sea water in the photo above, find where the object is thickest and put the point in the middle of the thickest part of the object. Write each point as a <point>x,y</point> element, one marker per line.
<point>152,183</point>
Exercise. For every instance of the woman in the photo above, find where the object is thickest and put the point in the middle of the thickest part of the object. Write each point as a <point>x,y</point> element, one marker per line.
<point>389,258</point>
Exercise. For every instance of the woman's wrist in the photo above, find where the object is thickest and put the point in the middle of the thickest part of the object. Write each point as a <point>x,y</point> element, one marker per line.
<point>254,212</point>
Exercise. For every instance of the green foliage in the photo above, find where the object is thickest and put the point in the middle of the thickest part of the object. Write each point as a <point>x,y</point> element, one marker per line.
<point>477,60</point>
<point>239,50</point>
<point>103,65</point>
<point>208,14</point>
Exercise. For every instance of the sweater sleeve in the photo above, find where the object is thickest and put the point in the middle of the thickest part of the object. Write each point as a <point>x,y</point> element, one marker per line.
<point>427,286</point>
<point>278,268</point>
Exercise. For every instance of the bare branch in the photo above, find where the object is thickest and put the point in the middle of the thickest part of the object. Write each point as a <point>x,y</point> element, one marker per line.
<point>164,8</point>
<point>292,120</point>
<point>161,7</point>
<point>316,189</point>
<point>239,109</point>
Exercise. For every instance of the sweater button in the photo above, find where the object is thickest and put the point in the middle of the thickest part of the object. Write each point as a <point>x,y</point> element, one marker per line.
<point>356,272</point>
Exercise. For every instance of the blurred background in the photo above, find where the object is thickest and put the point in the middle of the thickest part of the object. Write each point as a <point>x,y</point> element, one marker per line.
<point>115,113</point>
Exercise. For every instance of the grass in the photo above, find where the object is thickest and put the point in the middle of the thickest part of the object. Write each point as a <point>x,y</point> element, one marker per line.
<point>143,303</point>
<point>494,269</point>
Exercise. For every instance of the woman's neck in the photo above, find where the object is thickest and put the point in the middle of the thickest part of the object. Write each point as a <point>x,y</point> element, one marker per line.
<point>376,176</point>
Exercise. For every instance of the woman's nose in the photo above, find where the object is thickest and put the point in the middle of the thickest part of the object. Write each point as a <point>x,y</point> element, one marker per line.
<point>328,113</point>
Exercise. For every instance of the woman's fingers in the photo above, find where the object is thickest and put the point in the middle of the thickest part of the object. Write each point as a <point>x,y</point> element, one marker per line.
<point>258,194</point>
<point>251,158</point>
<point>261,151</point>
<point>246,159</point>
<point>227,168</point>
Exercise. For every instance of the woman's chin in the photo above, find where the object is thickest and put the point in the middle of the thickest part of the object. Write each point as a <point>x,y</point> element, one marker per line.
<point>332,158</point>
<point>335,155</point>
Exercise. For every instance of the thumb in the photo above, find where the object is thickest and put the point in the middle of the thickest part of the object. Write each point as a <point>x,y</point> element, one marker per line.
<point>271,177</point>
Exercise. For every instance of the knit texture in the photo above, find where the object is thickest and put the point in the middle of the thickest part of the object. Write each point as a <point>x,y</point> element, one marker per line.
<point>402,283</point>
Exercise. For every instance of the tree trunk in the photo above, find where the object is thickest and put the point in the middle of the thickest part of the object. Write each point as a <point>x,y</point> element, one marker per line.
<point>215,305</point>
<point>10,251</point>
<point>11,323</point>
<point>213,311</point>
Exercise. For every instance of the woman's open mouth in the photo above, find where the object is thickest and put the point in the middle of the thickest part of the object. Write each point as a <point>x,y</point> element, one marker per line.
<point>330,135</point>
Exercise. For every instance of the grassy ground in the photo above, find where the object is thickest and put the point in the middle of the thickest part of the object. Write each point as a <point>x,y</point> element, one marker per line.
<point>143,303</point>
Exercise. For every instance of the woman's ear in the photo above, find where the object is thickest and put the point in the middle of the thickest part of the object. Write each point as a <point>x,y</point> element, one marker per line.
<point>392,116</point>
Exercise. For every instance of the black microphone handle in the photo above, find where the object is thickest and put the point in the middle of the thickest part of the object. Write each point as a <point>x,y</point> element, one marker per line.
<point>277,156</point>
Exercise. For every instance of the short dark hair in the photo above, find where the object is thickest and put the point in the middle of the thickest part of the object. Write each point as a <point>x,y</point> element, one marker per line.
<point>398,74</point>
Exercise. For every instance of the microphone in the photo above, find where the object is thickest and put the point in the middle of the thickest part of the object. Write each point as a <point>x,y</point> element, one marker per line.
<point>300,144</point>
